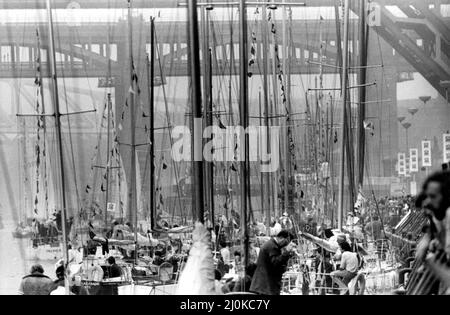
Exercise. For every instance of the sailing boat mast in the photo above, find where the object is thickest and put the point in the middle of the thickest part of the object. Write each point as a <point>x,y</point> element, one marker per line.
<point>265,39</point>
<point>261,151</point>
<point>151,93</point>
<point>196,137</point>
<point>108,131</point>
<point>132,202</point>
<point>362,91</point>
<point>207,108</point>
<point>344,95</point>
<point>286,81</point>
<point>243,95</point>
<point>323,155</point>
<point>275,105</point>
<point>59,147</point>
<point>209,122</point>
<point>108,158</point>
<point>44,123</point>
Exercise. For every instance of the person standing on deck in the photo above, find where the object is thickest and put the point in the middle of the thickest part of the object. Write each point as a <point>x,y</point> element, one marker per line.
<point>275,227</point>
<point>271,265</point>
<point>349,264</point>
<point>59,283</point>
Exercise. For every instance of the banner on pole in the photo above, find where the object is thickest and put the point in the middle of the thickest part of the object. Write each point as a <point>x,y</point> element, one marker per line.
<point>414,160</point>
<point>426,154</point>
<point>446,150</point>
<point>407,167</point>
<point>401,164</point>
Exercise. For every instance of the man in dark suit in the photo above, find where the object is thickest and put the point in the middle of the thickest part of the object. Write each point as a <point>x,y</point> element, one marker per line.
<point>271,265</point>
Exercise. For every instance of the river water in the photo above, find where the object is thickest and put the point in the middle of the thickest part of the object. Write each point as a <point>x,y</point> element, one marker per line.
<point>16,258</point>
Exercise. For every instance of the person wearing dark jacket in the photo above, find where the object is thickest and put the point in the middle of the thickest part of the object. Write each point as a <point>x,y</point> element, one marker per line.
<point>114,271</point>
<point>36,283</point>
<point>59,283</point>
<point>271,265</point>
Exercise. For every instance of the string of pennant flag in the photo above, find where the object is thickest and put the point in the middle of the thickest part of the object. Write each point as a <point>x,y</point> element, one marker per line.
<point>38,152</point>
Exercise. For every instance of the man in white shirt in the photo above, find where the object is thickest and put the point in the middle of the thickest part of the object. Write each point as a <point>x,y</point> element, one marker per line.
<point>349,264</point>
<point>225,253</point>
<point>275,228</point>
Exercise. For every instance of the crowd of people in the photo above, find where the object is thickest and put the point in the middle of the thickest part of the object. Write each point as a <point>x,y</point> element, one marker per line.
<point>268,260</point>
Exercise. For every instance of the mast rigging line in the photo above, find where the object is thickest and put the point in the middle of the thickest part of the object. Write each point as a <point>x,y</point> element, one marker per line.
<point>54,115</point>
<point>372,102</point>
<point>348,88</point>
<point>338,67</point>
<point>272,5</point>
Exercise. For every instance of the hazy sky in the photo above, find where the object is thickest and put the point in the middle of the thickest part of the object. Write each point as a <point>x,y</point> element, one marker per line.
<point>411,90</point>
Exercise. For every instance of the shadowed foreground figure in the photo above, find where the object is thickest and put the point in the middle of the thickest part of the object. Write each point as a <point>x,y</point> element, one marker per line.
<point>197,277</point>
<point>271,265</point>
<point>36,283</point>
<point>434,247</point>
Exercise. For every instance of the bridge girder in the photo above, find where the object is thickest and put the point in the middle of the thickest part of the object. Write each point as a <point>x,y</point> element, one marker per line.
<point>105,4</point>
<point>433,64</point>
<point>93,64</point>
<point>422,20</point>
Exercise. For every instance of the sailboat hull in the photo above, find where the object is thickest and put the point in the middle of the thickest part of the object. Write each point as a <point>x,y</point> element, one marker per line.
<point>22,235</point>
<point>46,252</point>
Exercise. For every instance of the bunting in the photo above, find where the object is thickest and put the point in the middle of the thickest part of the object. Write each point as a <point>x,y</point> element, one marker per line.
<point>39,126</point>
<point>283,92</point>
<point>252,60</point>
<point>221,125</point>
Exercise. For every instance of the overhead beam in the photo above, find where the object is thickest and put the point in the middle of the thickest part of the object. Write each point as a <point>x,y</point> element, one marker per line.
<point>431,70</point>
<point>96,31</point>
<point>149,4</point>
<point>442,28</point>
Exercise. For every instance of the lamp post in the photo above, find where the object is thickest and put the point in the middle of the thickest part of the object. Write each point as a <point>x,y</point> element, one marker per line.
<point>425,99</point>
<point>406,125</point>
<point>413,111</point>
